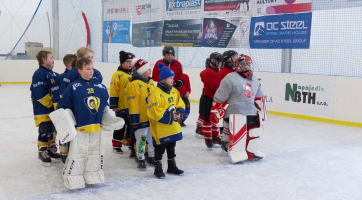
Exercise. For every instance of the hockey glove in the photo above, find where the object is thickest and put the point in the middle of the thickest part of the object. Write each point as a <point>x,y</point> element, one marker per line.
<point>109,122</point>
<point>218,112</point>
<point>178,84</point>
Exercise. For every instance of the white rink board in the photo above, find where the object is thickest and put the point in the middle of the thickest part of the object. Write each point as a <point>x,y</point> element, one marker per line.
<point>320,87</point>
<point>270,84</point>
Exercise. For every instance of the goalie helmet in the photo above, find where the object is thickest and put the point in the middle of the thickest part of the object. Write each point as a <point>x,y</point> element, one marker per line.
<point>168,50</point>
<point>228,58</point>
<point>243,66</point>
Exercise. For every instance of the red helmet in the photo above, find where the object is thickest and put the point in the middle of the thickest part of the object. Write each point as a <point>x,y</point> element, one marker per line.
<point>243,66</point>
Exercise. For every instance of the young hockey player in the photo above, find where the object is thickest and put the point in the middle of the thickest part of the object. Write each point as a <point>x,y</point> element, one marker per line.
<point>120,79</point>
<point>72,75</point>
<point>168,60</point>
<point>138,92</point>
<point>208,77</point>
<point>240,90</point>
<point>185,91</point>
<point>86,99</point>
<point>69,61</point>
<point>229,58</point>
<point>165,108</point>
<point>41,87</point>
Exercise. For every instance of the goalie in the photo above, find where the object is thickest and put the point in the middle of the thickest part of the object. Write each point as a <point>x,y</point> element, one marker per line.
<point>240,100</point>
<point>81,117</point>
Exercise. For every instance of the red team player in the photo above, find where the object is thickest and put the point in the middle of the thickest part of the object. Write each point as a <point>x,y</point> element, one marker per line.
<point>208,77</point>
<point>185,91</point>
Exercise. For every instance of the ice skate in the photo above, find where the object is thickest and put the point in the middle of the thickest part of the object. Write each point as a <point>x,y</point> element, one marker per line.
<point>117,150</point>
<point>53,154</point>
<point>199,134</point>
<point>44,157</point>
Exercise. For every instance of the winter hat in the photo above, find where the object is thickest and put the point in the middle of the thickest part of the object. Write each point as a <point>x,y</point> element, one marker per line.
<point>165,72</point>
<point>123,56</point>
<point>141,66</point>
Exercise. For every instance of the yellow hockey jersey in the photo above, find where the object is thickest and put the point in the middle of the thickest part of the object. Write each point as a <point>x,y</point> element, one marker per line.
<point>120,79</point>
<point>138,93</point>
<point>163,127</point>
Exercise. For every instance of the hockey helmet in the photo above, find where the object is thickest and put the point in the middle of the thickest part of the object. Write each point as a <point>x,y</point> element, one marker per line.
<point>228,58</point>
<point>168,50</point>
<point>215,59</point>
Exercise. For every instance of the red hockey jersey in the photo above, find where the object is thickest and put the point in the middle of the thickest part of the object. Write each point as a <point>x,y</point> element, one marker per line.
<point>208,77</point>
<point>186,87</point>
<point>176,68</point>
<point>222,73</point>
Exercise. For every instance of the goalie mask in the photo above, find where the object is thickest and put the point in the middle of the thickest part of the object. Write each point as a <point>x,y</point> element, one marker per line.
<point>244,66</point>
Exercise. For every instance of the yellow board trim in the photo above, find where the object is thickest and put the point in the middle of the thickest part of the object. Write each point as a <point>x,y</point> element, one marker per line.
<point>306,117</point>
<point>5,83</point>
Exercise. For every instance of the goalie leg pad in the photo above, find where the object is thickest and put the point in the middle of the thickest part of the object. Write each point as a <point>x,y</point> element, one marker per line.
<point>237,138</point>
<point>253,147</point>
<point>261,107</point>
<point>109,122</point>
<point>72,174</point>
<point>64,123</point>
<point>225,135</point>
<point>93,172</point>
<point>259,131</point>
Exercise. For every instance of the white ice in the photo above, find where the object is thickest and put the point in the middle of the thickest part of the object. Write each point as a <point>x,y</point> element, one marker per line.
<point>305,160</point>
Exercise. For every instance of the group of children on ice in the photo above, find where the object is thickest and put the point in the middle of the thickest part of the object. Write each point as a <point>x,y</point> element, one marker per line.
<point>148,116</point>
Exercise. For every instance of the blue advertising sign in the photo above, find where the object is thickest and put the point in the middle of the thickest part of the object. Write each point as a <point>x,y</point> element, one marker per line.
<point>117,32</point>
<point>288,31</point>
<point>174,5</point>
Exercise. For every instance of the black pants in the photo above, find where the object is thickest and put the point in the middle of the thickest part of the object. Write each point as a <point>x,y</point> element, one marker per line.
<point>160,150</point>
<point>119,134</point>
<point>205,107</point>
<point>187,102</point>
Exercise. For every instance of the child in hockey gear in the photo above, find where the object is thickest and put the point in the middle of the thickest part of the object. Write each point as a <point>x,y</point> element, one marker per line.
<point>241,101</point>
<point>208,77</point>
<point>138,92</point>
<point>229,58</point>
<point>120,79</point>
<point>168,60</point>
<point>165,108</point>
<point>73,75</point>
<point>185,91</point>
<point>41,97</point>
<point>87,99</point>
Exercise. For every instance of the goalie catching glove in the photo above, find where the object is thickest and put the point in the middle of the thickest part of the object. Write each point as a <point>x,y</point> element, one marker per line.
<point>109,122</point>
<point>218,111</point>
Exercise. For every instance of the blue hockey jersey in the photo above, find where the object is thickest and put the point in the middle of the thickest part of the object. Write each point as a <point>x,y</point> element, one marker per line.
<point>56,88</point>
<point>41,88</point>
<point>87,101</point>
<point>73,75</point>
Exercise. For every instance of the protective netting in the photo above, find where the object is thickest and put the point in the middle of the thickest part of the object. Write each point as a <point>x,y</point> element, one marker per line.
<point>59,26</point>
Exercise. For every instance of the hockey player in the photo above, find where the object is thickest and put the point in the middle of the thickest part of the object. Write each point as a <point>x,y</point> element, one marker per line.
<point>208,77</point>
<point>168,60</point>
<point>72,75</point>
<point>67,60</point>
<point>138,92</point>
<point>87,100</point>
<point>165,108</point>
<point>120,79</point>
<point>41,87</point>
<point>240,90</point>
<point>185,91</point>
<point>229,58</point>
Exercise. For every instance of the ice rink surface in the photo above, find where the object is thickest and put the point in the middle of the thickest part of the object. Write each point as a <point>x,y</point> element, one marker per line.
<point>305,160</point>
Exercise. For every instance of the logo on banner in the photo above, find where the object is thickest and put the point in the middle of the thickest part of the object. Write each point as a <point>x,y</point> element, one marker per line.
<point>259,28</point>
<point>303,94</point>
<point>211,32</point>
<point>182,4</point>
<point>145,9</point>
<point>117,10</point>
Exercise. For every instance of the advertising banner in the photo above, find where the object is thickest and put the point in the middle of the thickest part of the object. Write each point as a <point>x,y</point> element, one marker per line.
<point>147,11</point>
<point>182,33</point>
<point>307,95</point>
<point>335,4</point>
<point>183,9</point>
<point>222,8</point>
<point>270,85</point>
<point>114,10</point>
<point>117,32</point>
<point>288,31</point>
<point>277,7</point>
<point>231,33</point>
<point>147,34</point>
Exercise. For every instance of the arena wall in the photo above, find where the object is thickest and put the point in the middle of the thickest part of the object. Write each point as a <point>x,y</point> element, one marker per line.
<point>312,97</point>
